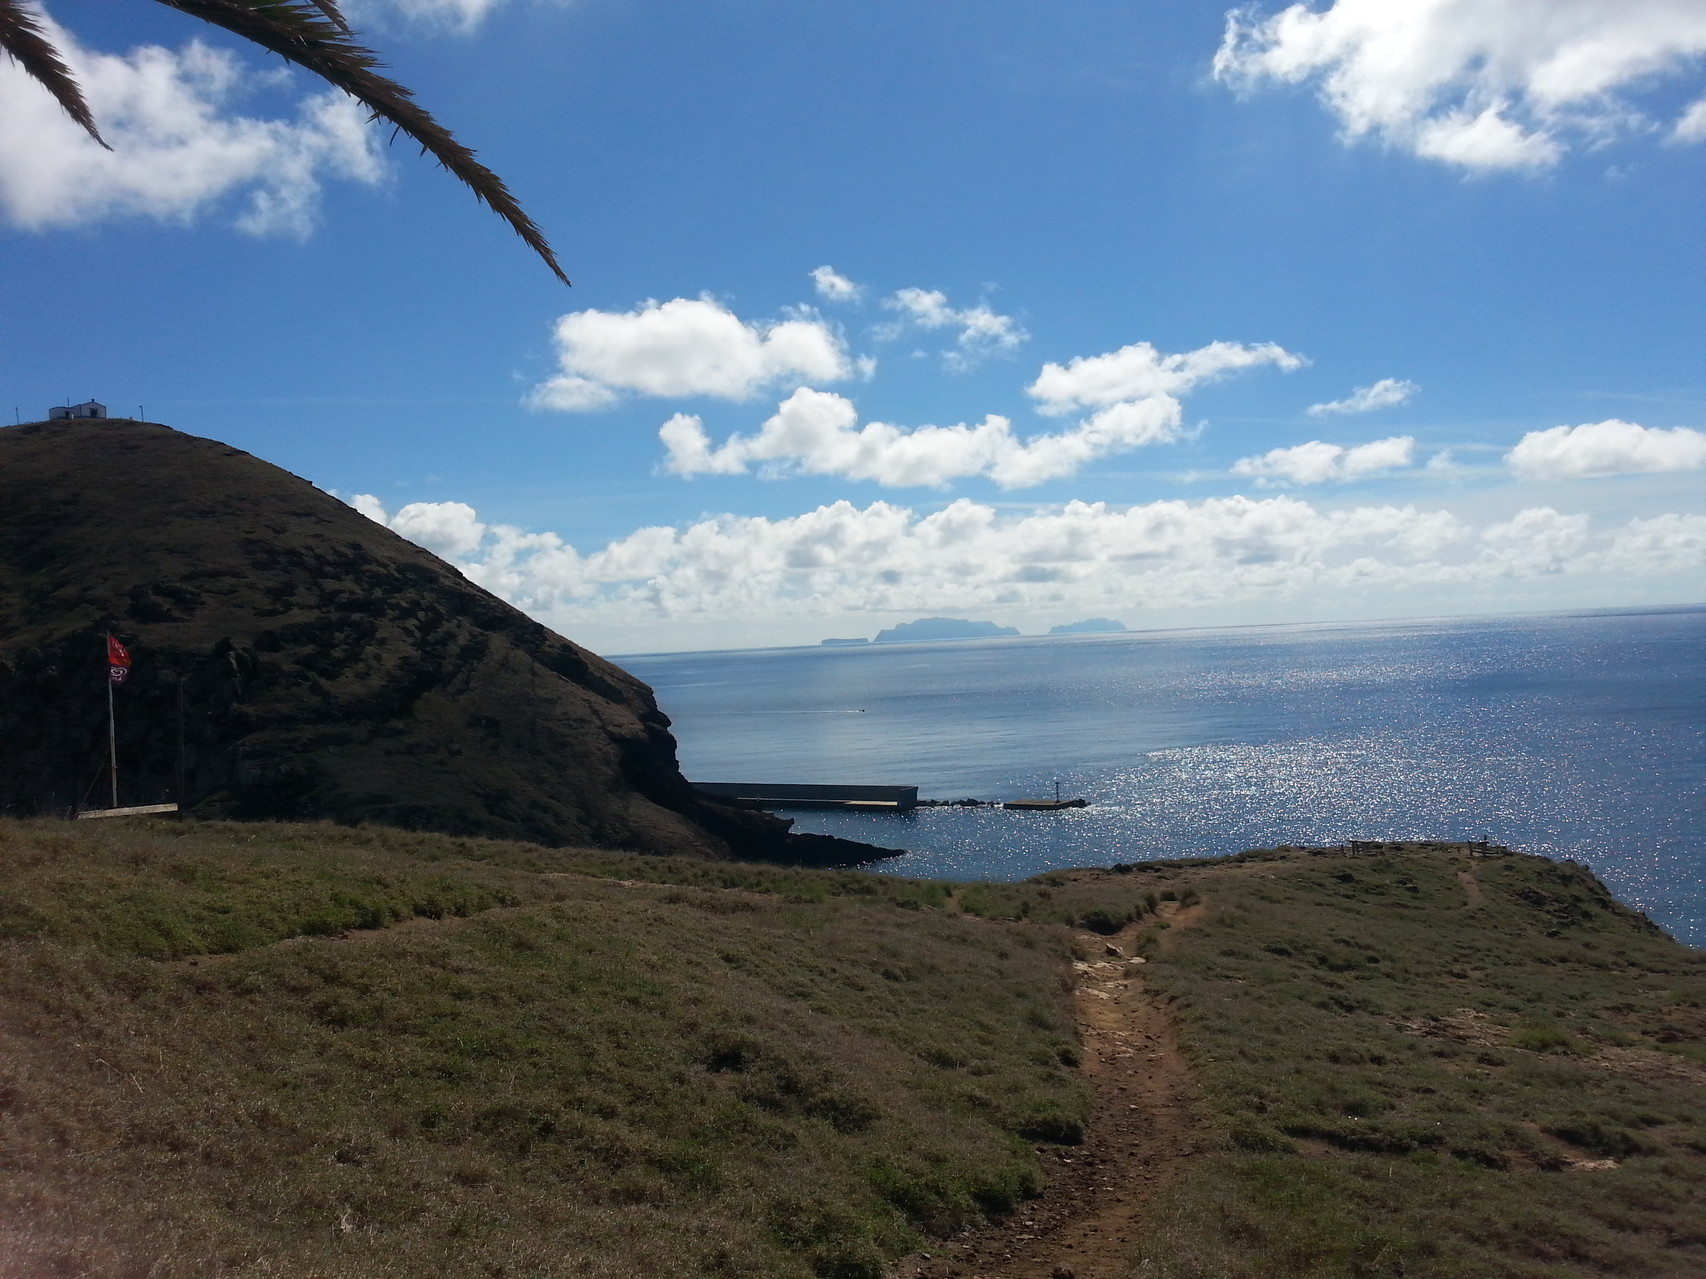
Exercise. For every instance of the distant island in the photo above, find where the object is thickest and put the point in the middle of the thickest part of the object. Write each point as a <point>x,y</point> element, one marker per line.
<point>1089,626</point>
<point>842,643</point>
<point>942,628</point>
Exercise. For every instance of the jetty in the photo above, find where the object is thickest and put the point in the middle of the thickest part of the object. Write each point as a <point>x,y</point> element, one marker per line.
<point>879,799</point>
<point>869,799</point>
<point>1046,805</point>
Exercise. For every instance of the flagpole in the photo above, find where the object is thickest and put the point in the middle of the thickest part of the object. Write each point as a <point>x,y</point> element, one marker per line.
<point>112,737</point>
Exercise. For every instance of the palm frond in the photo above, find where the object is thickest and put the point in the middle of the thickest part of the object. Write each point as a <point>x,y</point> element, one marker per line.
<point>331,10</point>
<point>311,33</point>
<point>22,38</point>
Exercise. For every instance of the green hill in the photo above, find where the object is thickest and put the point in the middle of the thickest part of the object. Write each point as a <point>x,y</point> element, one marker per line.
<point>1416,1060</point>
<point>310,1051</point>
<point>294,659</point>
<point>264,1049</point>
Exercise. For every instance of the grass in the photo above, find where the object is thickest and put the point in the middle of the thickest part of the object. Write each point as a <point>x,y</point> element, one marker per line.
<point>1395,1080</point>
<point>314,1050</point>
<point>513,1063</point>
<point>1414,1061</point>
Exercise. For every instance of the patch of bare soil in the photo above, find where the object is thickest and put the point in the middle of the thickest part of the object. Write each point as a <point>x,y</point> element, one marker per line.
<point>1465,1026</point>
<point>1471,887</point>
<point>418,923</point>
<point>1178,918</point>
<point>1099,1195</point>
<point>415,923</point>
<point>1651,1065</point>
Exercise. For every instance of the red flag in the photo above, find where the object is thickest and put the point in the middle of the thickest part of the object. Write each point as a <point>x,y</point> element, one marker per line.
<point>117,654</point>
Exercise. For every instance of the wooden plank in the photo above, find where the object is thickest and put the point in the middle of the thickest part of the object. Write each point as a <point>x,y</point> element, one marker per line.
<point>141,810</point>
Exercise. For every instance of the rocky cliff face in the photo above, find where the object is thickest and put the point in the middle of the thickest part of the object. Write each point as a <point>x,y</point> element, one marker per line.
<point>295,660</point>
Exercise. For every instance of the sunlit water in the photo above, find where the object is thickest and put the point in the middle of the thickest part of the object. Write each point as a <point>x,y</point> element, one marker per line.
<point>1578,735</point>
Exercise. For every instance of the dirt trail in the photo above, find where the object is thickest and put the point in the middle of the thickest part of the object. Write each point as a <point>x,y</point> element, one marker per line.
<point>1471,887</point>
<point>1099,1195</point>
<point>418,923</point>
<point>413,924</point>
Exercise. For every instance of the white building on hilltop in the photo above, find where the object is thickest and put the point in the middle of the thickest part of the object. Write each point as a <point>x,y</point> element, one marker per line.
<point>88,408</point>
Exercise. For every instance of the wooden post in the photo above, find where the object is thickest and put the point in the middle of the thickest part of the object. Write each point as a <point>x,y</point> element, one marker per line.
<point>112,739</point>
<point>180,796</point>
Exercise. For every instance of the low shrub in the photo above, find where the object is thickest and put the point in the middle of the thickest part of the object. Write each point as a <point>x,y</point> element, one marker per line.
<point>1544,1039</point>
<point>1104,921</point>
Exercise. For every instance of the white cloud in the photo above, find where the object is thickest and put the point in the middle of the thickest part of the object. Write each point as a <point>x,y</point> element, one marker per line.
<point>685,347</point>
<point>1485,140</point>
<point>177,151</point>
<point>982,332</point>
<point>461,16</point>
<point>1317,462</point>
<point>1611,447</point>
<point>817,433</point>
<point>887,560</point>
<point>1691,124</point>
<point>450,529</point>
<point>832,286</point>
<point>1481,84</point>
<point>1384,394</point>
<point>1135,393</point>
<point>465,13</point>
<point>1536,542</point>
<point>1139,372</point>
<point>1666,544</point>
<point>369,506</point>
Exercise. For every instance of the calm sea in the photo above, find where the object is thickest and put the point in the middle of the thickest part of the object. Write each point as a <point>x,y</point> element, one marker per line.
<point>1578,735</point>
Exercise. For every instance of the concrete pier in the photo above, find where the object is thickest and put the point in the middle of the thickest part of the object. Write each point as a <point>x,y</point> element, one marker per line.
<point>892,799</point>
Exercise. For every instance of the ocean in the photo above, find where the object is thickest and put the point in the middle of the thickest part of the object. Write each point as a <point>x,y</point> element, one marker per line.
<point>1573,735</point>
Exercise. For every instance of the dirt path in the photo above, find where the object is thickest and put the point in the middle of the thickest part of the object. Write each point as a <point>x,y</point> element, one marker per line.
<point>420,923</point>
<point>1099,1194</point>
<point>1471,887</point>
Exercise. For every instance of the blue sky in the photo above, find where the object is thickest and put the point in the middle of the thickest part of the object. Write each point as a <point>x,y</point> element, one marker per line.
<point>1160,311</point>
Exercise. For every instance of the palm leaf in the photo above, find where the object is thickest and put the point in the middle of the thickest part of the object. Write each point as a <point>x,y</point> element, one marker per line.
<point>21,37</point>
<point>313,35</point>
<point>330,9</point>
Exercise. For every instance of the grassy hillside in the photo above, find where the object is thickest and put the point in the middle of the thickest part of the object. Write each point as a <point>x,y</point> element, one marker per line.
<point>1417,1062</point>
<point>316,1051</point>
<point>508,1067</point>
